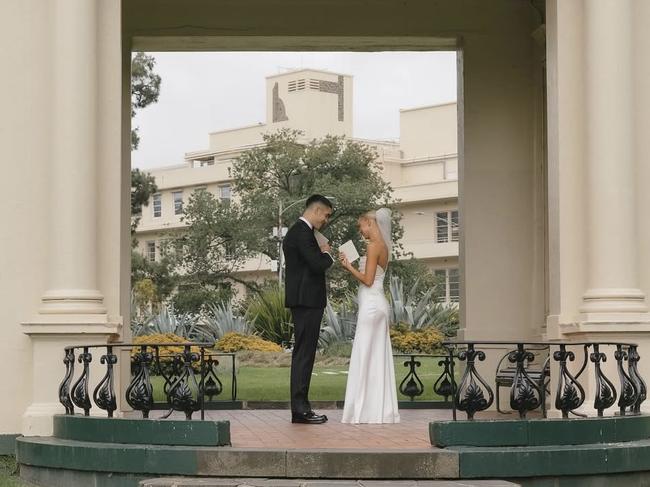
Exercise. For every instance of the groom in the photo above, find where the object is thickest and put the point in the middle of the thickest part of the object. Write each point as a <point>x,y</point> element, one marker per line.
<point>305,296</point>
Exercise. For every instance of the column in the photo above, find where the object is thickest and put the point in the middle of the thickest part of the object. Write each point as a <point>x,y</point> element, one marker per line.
<point>613,293</point>
<point>72,286</point>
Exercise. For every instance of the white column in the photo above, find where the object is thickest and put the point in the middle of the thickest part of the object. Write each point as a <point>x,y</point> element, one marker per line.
<point>613,293</point>
<point>72,286</point>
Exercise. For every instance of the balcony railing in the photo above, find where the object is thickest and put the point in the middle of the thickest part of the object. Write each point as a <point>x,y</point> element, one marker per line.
<point>528,366</point>
<point>188,376</point>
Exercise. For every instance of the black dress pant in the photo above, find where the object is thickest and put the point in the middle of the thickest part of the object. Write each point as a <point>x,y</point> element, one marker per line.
<point>306,330</point>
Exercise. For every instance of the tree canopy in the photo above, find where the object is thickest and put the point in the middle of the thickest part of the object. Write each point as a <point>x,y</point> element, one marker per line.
<point>288,169</point>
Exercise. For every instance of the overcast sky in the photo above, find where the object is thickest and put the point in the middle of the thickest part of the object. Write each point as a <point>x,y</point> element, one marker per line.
<point>204,92</point>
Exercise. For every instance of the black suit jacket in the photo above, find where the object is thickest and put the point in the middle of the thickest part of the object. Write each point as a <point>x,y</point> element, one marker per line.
<point>305,268</point>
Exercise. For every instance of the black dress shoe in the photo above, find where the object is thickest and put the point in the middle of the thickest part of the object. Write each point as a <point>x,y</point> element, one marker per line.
<point>314,415</point>
<point>307,418</point>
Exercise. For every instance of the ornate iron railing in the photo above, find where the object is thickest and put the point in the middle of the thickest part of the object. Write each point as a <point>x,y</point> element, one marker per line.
<point>529,376</point>
<point>412,385</point>
<point>189,376</point>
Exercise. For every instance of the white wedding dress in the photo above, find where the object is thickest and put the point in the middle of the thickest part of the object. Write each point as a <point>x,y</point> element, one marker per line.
<point>370,395</point>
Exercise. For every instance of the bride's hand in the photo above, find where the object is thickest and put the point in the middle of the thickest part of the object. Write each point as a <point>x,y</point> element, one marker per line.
<point>344,260</point>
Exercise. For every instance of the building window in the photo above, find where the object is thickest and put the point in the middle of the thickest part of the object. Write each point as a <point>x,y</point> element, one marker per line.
<point>201,188</point>
<point>151,250</point>
<point>454,226</point>
<point>454,285</point>
<point>203,162</point>
<point>225,193</point>
<point>157,205</point>
<point>447,226</point>
<point>442,227</point>
<point>450,279</point>
<point>178,202</point>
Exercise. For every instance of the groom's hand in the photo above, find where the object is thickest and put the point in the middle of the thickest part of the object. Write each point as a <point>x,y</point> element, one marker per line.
<point>325,248</point>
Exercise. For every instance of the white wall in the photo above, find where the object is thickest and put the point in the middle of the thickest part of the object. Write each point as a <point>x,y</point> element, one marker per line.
<point>25,97</point>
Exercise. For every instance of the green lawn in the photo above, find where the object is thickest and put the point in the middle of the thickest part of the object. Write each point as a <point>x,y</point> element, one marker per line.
<point>328,383</point>
<point>9,473</point>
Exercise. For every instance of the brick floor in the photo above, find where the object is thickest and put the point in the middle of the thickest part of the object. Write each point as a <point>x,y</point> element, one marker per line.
<point>272,428</point>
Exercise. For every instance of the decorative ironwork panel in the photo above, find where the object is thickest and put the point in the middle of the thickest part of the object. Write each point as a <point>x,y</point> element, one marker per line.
<point>639,383</point>
<point>139,394</point>
<point>628,395</point>
<point>470,396</point>
<point>411,386</point>
<point>605,391</point>
<point>445,385</point>
<point>64,387</point>
<point>525,395</point>
<point>180,395</point>
<point>104,395</point>
<point>80,395</point>
<point>570,394</point>
<point>212,385</point>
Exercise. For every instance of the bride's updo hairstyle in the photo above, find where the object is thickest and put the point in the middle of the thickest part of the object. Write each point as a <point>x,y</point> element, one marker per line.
<point>382,219</point>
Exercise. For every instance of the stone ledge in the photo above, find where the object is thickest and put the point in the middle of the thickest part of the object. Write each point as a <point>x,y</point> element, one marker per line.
<point>152,460</point>
<point>553,461</point>
<point>142,431</point>
<point>540,432</point>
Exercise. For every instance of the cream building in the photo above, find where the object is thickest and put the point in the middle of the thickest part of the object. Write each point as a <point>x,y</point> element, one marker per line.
<point>553,162</point>
<point>422,167</point>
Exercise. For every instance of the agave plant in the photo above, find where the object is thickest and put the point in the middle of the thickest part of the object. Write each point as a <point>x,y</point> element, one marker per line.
<point>168,321</point>
<point>339,327</point>
<point>270,319</point>
<point>419,309</point>
<point>221,319</point>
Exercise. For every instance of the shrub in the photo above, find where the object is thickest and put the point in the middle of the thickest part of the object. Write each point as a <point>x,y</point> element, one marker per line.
<point>166,354</point>
<point>420,310</point>
<point>339,326</point>
<point>169,321</point>
<point>425,340</point>
<point>338,349</point>
<point>234,342</point>
<point>270,319</point>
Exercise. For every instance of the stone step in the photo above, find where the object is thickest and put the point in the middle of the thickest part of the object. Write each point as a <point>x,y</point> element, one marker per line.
<point>221,482</point>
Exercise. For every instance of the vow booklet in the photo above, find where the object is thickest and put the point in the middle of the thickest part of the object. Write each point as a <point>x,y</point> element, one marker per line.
<point>320,238</point>
<point>349,250</point>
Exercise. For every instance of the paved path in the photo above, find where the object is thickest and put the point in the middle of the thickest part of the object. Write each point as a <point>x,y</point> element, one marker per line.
<point>273,429</point>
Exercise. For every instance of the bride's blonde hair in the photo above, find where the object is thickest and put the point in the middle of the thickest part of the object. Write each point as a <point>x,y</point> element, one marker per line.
<point>383,226</point>
<point>369,215</point>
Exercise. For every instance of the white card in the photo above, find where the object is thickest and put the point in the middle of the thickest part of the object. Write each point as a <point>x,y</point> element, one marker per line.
<point>320,238</point>
<point>349,250</point>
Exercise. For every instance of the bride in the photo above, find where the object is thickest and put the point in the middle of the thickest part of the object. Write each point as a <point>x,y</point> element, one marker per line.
<point>370,395</point>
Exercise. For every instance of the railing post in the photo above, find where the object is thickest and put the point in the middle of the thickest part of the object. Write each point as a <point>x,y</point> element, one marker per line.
<point>64,387</point>
<point>80,395</point>
<point>605,391</point>
<point>104,395</point>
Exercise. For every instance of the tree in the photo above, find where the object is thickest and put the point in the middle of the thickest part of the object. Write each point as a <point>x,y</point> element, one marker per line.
<point>151,282</point>
<point>209,250</point>
<point>285,169</point>
<point>143,186</point>
<point>145,88</point>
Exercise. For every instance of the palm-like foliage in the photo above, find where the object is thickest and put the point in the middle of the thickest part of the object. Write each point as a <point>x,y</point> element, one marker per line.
<point>221,319</point>
<point>419,309</point>
<point>339,326</point>
<point>168,321</point>
<point>270,319</point>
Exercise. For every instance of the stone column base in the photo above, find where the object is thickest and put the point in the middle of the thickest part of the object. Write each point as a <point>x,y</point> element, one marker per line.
<point>37,418</point>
